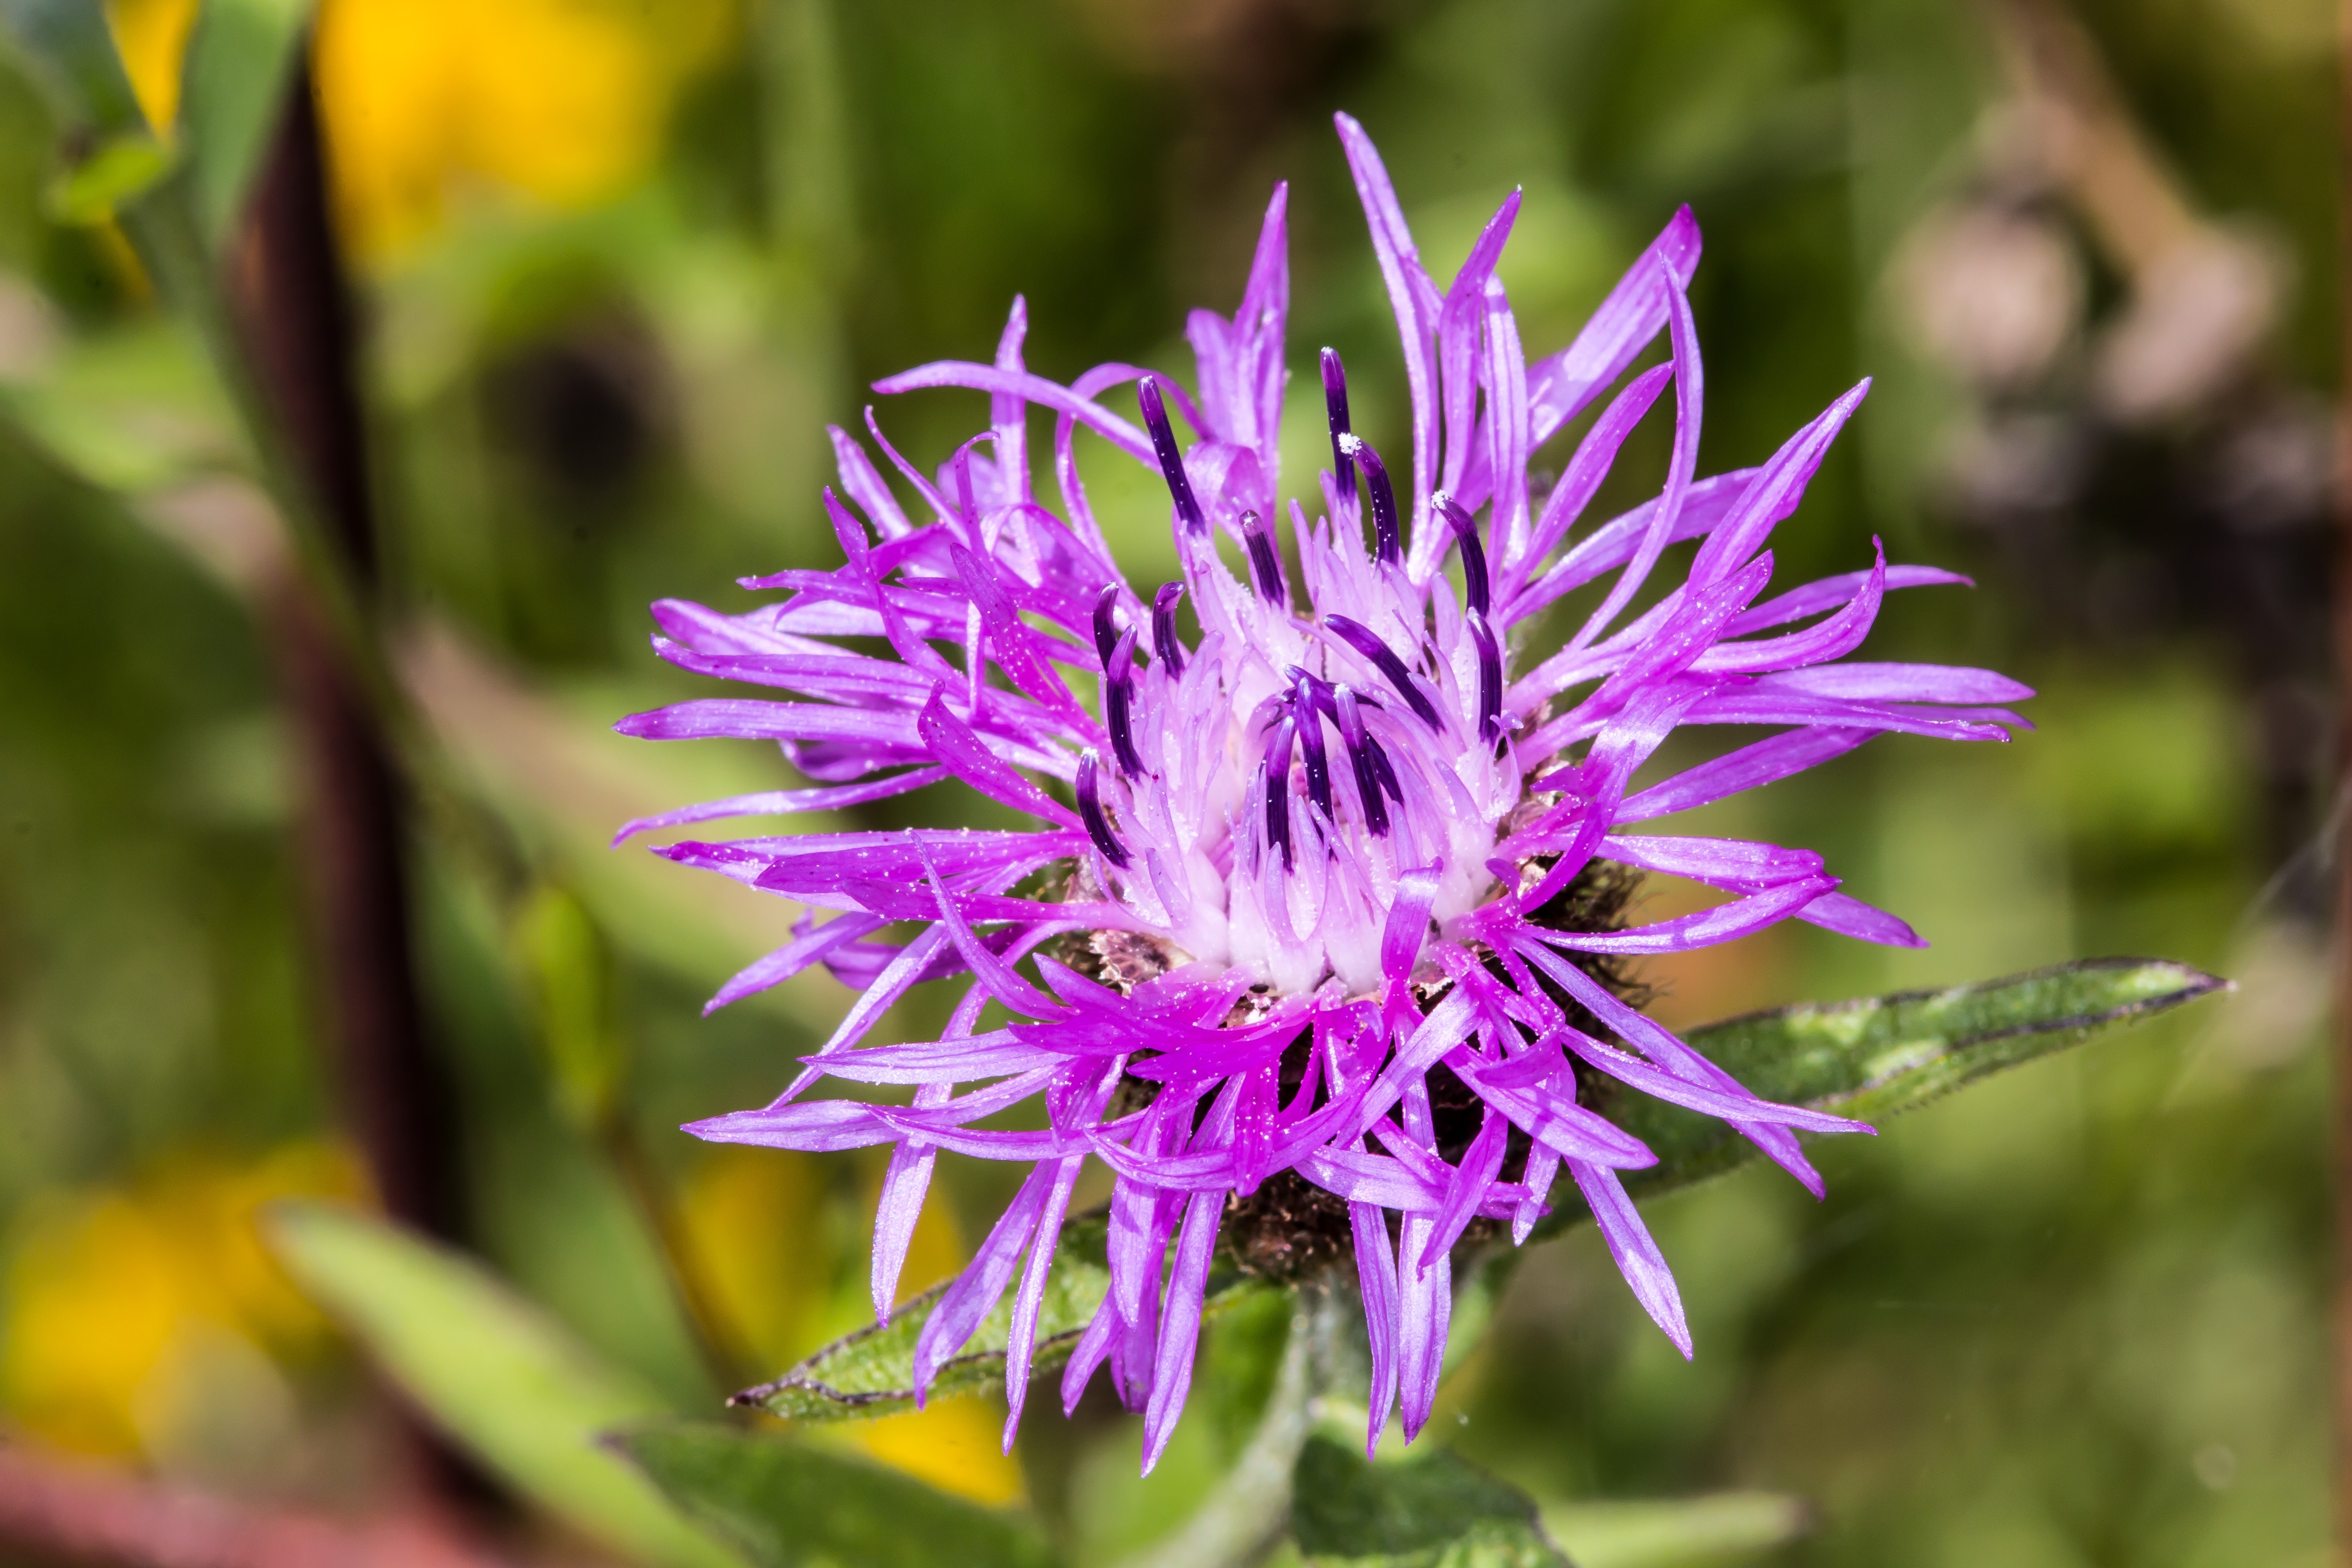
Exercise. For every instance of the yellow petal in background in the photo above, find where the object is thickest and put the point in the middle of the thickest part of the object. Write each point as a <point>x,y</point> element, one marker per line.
<point>152,36</point>
<point>120,1297</point>
<point>561,102</point>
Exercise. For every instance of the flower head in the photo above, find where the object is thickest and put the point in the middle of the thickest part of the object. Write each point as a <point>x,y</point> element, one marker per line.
<point>1323,934</point>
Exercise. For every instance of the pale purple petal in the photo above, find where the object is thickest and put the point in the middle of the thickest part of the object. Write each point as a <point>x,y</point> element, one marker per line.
<point>1635,1252</point>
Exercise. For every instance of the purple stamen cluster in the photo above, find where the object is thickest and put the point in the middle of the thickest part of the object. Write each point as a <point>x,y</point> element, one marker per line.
<point>1307,906</point>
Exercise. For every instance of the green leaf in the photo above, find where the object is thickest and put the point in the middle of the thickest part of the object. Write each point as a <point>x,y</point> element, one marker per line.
<point>495,1372</point>
<point>108,153</point>
<point>233,91</point>
<point>71,52</point>
<point>1876,1055</point>
<point>784,1503</point>
<point>132,410</point>
<point>1427,1511</point>
<point>91,188</point>
<point>568,974</point>
<point>1681,1532</point>
<point>872,1371</point>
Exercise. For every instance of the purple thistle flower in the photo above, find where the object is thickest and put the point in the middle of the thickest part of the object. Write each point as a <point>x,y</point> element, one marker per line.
<point>1334,916</point>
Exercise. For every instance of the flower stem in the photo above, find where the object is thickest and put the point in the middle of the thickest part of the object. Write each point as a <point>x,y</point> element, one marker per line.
<point>1246,1515</point>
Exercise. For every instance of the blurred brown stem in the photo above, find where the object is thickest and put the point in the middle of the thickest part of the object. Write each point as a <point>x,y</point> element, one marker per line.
<point>293,319</point>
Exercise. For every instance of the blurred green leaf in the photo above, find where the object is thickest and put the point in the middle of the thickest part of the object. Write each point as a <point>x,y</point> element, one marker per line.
<point>132,410</point>
<point>1681,1532</point>
<point>1434,1510</point>
<point>71,52</point>
<point>494,1372</point>
<point>1871,1057</point>
<point>89,189</point>
<point>786,1503</point>
<point>569,972</point>
<point>234,90</point>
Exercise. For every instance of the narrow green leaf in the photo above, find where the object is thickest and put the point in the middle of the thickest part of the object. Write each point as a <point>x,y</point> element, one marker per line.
<point>233,91</point>
<point>1680,1533</point>
<point>112,173</point>
<point>1427,1511</point>
<point>1872,1057</point>
<point>71,52</point>
<point>495,1372</point>
<point>872,1371</point>
<point>784,1503</point>
<point>568,972</point>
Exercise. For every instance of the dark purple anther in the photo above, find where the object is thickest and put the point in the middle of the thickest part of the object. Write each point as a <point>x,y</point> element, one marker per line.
<point>1475,586</point>
<point>1106,634</point>
<point>1119,698</point>
<point>1090,812</point>
<point>1380,768</point>
<point>1490,681</point>
<point>1386,545</point>
<point>1366,641</point>
<point>1265,563</point>
<point>1359,756</point>
<point>1164,628</point>
<point>1171,461</point>
<point>1334,404</point>
<point>1277,791</point>
<point>1310,740</point>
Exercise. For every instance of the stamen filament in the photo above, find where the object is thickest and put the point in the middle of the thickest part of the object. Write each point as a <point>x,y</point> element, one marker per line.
<point>1335,407</point>
<point>1171,461</point>
<point>1106,633</point>
<point>1118,700</point>
<point>1090,812</point>
<point>1475,588</point>
<point>1164,645</point>
<point>1277,791</point>
<point>1310,737</point>
<point>1366,641</point>
<point>1490,679</point>
<point>1360,750</point>
<point>1387,543</point>
<point>1266,562</point>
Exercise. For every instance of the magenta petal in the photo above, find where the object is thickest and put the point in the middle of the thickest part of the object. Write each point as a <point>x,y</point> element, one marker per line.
<point>1425,1308</point>
<point>1749,768</point>
<point>1036,388</point>
<point>1636,1253</point>
<point>1481,1162</point>
<point>1180,1326</point>
<point>1559,387</point>
<point>1023,1342</point>
<point>1408,922</point>
<point>901,1205</point>
<point>976,1289</point>
<point>1376,1273</point>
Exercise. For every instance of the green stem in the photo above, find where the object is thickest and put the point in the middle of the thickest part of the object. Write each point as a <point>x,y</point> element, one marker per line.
<point>1246,1515</point>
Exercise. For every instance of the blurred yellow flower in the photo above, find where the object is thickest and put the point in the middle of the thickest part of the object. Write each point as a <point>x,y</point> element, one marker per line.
<point>152,36</point>
<point>956,1445</point>
<point>563,102</point>
<point>110,1291</point>
<point>756,1220</point>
